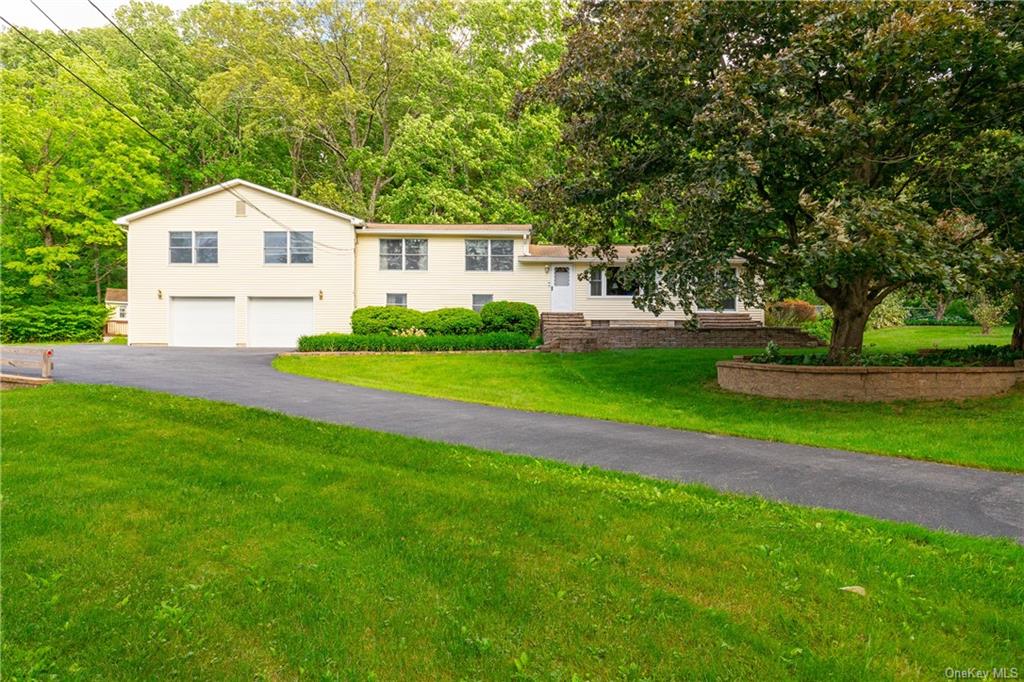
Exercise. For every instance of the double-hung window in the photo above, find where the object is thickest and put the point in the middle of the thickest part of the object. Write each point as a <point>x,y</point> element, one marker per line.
<point>280,248</point>
<point>480,300</point>
<point>495,255</point>
<point>606,282</point>
<point>193,247</point>
<point>403,254</point>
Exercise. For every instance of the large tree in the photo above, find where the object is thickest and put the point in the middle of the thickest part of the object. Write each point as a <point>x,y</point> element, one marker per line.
<point>68,169</point>
<point>799,136</point>
<point>985,177</point>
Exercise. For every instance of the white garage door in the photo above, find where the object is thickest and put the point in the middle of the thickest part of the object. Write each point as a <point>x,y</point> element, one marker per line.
<point>279,322</point>
<point>203,322</point>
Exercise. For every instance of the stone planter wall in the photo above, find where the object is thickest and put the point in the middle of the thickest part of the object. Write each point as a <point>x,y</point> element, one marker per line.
<point>866,384</point>
<point>609,338</point>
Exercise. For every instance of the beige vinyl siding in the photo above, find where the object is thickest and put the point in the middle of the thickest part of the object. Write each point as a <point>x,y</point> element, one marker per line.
<point>445,283</point>
<point>613,307</point>
<point>622,308</point>
<point>240,271</point>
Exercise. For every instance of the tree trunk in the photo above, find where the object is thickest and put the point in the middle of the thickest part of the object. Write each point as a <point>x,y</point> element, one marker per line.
<point>847,332</point>
<point>940,309</point>
<point>1017,342</point>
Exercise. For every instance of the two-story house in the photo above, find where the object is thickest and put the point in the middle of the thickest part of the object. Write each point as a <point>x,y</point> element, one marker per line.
<point>238,264</point>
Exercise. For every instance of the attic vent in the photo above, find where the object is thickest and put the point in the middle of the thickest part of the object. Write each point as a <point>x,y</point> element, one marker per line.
<point>239,209</point>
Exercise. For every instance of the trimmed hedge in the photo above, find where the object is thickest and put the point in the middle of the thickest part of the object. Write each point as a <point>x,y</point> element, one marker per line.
<point>390,343</point>
<point>510,316</point>
<point>54,322</point>
<point>452,321</point>
<point>971,356</point>
<point>385,319</point>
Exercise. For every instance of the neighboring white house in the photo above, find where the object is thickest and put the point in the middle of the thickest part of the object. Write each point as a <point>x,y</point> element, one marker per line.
<point>116,301</point>
<point>237,264</point>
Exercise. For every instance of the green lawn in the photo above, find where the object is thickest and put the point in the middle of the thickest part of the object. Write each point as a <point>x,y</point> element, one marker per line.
<point>677,388</point>
<point>148,536</point>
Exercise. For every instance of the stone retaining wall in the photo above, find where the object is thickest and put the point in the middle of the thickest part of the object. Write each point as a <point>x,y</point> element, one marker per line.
<point>866,384</point>
<point>608,338</point>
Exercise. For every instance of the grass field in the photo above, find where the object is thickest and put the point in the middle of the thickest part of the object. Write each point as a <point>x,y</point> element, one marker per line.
<point>148,536</point>
<point>677,389</point>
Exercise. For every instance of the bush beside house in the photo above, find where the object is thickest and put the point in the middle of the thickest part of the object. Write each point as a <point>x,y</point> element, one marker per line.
<point>401,343</point>
<point>510,316</point>
<point>55,322</point>
<point>452,321</point>
<point>385,320</point>
<point>506,325</point>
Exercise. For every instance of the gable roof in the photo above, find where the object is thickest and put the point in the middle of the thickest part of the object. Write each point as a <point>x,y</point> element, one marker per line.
<point>226,186</point>
<point>116,295</point>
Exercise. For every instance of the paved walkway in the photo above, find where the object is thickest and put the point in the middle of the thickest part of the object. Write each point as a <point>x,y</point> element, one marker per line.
<point>934,495</point>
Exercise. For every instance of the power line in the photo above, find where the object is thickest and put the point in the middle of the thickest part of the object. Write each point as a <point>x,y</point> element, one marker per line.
<point>156,137</point>
<point>94,90</point>
<point>68,36</point>
<point>157,64</point>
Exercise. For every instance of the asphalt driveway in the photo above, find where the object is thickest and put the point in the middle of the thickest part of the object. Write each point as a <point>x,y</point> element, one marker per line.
<point>934,495</point>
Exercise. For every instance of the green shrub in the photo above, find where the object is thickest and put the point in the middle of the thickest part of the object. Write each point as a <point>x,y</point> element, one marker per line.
<point>972,356</point>
<point>452,321</point>
<point>988,311</point>
<point>510,316</point>
<point>889,313</point>
<point>390,343</point>
<point>54,322</point>
<point>959,308</point>
<point>385,319</point>
<point>819,329</point>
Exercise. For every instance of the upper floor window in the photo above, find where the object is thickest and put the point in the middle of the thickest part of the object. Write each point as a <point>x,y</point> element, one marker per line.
<point>287,247</point>
<point>193,247</point>
<point>403,254</point>
<point>495,255</point>
<point>122,312</point>
<point>605,282</point>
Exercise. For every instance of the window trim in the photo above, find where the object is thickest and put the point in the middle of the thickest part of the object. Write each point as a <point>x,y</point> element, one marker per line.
<point>192,248</point>
<point>472,305</point>
<point>404,254</point>
<point>287,248</point>
<point>490,254</point>
<point>604,284</point>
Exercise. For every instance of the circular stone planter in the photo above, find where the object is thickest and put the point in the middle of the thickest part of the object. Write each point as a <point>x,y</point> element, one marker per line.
<point>866,384</point>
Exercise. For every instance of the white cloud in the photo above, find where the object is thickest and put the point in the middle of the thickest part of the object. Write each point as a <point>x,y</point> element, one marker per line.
<point>70,14</point>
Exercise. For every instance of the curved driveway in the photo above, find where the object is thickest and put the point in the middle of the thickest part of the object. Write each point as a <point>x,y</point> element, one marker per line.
<point>933,495</point>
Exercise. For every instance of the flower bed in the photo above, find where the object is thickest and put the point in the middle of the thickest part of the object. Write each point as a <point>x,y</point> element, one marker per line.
<point>951,374</point>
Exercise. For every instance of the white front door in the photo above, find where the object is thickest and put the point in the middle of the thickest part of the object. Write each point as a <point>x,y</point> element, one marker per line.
<point>202,322</point>
<point>279,322</point>
<point>561,288</point>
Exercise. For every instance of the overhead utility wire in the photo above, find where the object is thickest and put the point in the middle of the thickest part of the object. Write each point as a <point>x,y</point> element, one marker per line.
<point>156,137</point>
<point>157,64</point>
<point>68,36</point>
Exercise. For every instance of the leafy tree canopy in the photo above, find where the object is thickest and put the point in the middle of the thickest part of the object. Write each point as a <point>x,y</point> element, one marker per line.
<point>803,137</point>
<point>389,109</point>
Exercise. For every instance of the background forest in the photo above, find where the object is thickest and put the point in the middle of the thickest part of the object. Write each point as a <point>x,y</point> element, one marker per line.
<point>395,111</point>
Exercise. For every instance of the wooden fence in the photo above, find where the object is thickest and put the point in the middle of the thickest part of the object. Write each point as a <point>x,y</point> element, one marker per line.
<point>27,358</point>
